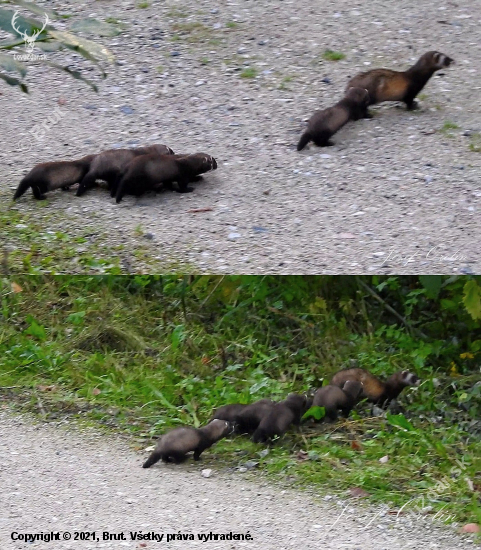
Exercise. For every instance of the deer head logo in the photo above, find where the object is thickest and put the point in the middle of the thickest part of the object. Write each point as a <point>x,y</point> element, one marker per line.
<point>29,40</point>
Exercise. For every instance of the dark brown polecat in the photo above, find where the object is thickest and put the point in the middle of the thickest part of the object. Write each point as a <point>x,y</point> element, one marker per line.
<point>388,85</point>
<point>281,416</point>
<point>174,445</point>
<point>333,398</point>
<point>246,418</point>
<point>48,176</point>
<point>372,388</point>
<point>112,164</point>
<point>147,172</point>
<point>324,124</point>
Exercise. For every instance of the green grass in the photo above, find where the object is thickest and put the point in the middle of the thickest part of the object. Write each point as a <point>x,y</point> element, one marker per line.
<point>143,354</point>
<point>284,83</point>
<point>330,55</point>
<point>475,143</point>
<point>231,25</point>
<point>143,5</point>
<point>249,72</point>
<point>447,127</point>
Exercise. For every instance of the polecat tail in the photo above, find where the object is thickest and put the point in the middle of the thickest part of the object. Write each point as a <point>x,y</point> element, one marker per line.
<point>153,458</point>
<point>23,186</point>
<point>305,139</point>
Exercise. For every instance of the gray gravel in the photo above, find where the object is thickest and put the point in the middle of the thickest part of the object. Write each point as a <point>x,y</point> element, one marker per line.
<point>53,478</point>
<point>394,194</point>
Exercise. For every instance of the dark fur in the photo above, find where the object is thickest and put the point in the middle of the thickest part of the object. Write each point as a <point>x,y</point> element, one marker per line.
<point>48,176</point>
<point>111,165</point>
<point>174,445</point>
<point>246,418</point>
<point>333,398</point>
<point>281,416</point>
<point>152,171</point>
<point>324,124</point>
<point>388,85</point>
<point>376,391</point>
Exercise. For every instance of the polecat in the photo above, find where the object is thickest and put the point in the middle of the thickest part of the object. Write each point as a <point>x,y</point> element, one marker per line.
<point>246,418</point>
<point>112,164</point>
<point>324,124</point>
<point>147,172</point>
<point>333,398</point>
<point>48,176</point>
<point>388,85</point>
<point>281,416</point>
<point>174,445</point>
<point>372,388</point>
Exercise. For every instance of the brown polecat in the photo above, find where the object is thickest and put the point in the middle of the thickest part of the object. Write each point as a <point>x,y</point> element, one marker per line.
<point>376,391</point>
<point>112,164</point>
<point>246,418</point>
<point>324,124</point>
<point>48,176</point>
<point>333,398</point>
<point>281,416</point>
<point>147,172</point>
<point>174,445</point>
<point>388,85</point>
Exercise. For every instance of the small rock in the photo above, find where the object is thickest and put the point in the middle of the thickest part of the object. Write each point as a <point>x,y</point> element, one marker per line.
<point>470,528</point>
<point>126,110</point>
<point>174,54</point>
<point>149,236</point>
<point>206,473</point>
<point>326,80</point>
<point>233,236</point>
<point>384,459</point>
<point>250,464</point>
<point>428,179</point>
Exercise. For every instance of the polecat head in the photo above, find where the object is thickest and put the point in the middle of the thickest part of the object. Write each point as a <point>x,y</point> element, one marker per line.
<point>359,95</point>
<point>219,428</point>
<point>353,387</point>
<point>409,379</point>
<point>205,162</point>
<point>436,60</point>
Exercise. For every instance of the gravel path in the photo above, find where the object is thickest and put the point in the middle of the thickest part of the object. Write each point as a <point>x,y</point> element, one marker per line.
<point>55,479</point>
<point>394,195</point>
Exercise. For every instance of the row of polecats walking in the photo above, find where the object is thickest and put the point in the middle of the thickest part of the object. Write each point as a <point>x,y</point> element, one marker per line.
<point>266,419</point>
<point>126,171</point>
<point>369,88</point>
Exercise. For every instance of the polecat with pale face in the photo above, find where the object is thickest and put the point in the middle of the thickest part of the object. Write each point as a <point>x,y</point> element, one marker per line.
<point>388,85</point>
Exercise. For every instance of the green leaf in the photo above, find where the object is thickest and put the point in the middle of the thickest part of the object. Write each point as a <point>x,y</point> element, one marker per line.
<point>315,412</point>
<point>35,329</point>
<point>26,24</point>
<point>432,284</point>
<point>10,64</point>
<point>88,49</point>
<point>76,74</point>
<point>14,82</point>
<point>178,336</point>
<point>76,318</point>
<point>37,9</point>
<point>472,299</point>
<point>400,421</point>
<point>94,26</point>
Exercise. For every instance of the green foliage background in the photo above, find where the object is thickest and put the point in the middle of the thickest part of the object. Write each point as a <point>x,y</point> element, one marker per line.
<point>144,353</point>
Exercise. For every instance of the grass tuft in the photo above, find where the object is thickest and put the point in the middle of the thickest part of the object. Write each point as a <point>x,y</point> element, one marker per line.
<point>330,55</point>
